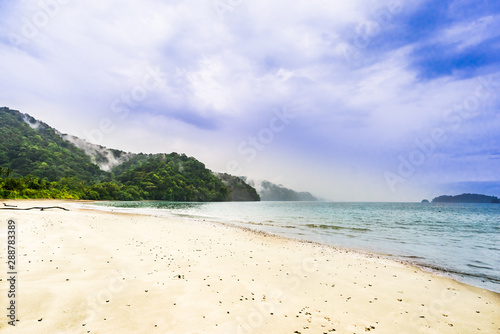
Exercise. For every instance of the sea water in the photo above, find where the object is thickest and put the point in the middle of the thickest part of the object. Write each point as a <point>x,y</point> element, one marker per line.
<point>458,240</point>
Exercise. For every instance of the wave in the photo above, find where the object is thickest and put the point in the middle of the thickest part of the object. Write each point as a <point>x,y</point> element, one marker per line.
<point>478,267</point>
<point>336,227</point>
<point>482,276</point>
<point>412,257</point>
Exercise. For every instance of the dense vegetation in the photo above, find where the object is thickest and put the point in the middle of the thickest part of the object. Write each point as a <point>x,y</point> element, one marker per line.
<point>240,191</point>
<point>466,198</point>
<point>171,177</point>
<point>38,163</point>
<point>41,153</point>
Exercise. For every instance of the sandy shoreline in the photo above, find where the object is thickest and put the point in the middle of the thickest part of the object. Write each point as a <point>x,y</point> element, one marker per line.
<point>96,272</point>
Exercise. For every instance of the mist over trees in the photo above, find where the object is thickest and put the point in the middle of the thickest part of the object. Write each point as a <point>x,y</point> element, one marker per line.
<point>35,162</point>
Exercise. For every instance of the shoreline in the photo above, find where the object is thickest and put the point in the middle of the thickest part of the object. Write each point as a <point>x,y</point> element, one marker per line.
<point>422,266</point>
<point>420,263</point>
<point>405,260</point>
<point>216,277</point>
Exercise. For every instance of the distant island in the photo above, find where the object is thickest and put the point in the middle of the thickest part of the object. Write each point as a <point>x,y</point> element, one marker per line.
<point>466,198</point>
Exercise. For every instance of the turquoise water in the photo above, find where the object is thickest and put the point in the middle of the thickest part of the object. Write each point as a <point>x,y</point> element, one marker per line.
<point>460,240</point>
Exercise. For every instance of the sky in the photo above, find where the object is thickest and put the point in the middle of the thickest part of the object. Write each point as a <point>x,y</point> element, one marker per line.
<point>350,100</point>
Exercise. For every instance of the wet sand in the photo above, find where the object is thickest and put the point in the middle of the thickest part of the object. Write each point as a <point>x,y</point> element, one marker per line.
<point>87,271</point>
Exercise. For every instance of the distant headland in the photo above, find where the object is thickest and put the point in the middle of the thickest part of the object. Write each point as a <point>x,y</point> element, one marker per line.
<point>466,198</point>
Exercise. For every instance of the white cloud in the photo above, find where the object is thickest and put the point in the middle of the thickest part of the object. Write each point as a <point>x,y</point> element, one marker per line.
<point>223,78</point>
<point>466,34</point>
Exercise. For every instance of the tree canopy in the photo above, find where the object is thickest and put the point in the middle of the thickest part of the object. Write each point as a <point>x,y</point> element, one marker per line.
<point>35,162</point>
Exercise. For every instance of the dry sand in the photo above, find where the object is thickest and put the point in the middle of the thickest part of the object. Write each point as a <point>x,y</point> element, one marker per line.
<point>96,272</point>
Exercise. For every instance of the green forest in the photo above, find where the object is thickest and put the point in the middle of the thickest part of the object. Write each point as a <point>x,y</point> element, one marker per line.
<point>35,162</point>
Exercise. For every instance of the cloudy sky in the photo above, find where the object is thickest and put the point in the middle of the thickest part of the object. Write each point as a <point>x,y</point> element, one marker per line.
<point>351,100</point>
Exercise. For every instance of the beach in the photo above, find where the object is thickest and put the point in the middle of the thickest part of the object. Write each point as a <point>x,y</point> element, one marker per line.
<point>85,271</point>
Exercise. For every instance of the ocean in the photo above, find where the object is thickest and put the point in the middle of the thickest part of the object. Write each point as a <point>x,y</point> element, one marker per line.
<point>461,241</point>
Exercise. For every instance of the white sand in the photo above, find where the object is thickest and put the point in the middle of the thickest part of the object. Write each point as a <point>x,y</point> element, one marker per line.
<point>97,272</point>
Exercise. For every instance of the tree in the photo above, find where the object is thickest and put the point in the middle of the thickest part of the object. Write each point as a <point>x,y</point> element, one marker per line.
<point>38,163</point>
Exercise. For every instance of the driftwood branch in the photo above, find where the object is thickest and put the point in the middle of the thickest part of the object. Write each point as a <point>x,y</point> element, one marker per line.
<point>9,206</point>
<point>41,208</point>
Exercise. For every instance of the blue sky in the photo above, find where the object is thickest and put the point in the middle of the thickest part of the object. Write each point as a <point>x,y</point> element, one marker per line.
<point>351,100</point>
